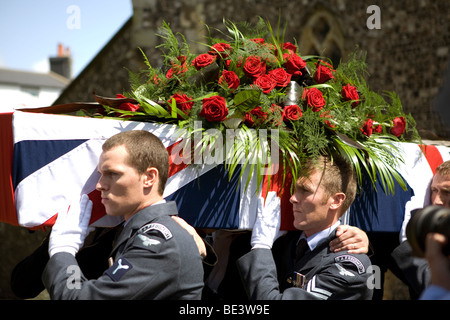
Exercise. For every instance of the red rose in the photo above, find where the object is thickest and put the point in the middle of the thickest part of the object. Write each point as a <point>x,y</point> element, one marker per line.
<point>203,60</point>
<point>378,129</point>
<point>266,83</point>
<point>214,109</point>
<point>399,126</point>
<point>314,98</point>
<point>178,68</point>
<point>230,79</point>
<point>350,93</point>
<point>280,76</point>
<point>290,47</point>
<point>367,127</point>
<point>254,67</point>
<point>182,59</point>
<point>221,50</point>
<point>291,113</point>
<point>248,120</point>
<point>183,102</point>
<point>322,74</point>
<point>294,64</point>
<point>258,40</point>
<point>255,116</point>
<point>127,106</point>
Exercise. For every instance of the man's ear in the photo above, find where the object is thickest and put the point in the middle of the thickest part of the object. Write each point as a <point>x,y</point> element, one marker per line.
<point>151,177</point>
<point>337,200</point>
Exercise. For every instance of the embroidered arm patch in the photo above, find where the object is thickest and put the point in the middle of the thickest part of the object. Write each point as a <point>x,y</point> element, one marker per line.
<point>118,269</point>
<point>349,258</point>
<point>159,227</point>
<point>150,242</point>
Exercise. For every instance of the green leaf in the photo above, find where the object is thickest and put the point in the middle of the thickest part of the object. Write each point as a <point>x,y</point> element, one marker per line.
<point>246,100</point>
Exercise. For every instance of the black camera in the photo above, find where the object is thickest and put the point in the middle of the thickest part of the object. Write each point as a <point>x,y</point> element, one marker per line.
<point>423,221</point>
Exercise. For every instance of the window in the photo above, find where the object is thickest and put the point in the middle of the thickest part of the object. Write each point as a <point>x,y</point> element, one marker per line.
<point>322,35</point>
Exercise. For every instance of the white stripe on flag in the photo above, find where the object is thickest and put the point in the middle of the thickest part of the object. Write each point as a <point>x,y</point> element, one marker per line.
<point>51,189</point>
<point>37,126</point>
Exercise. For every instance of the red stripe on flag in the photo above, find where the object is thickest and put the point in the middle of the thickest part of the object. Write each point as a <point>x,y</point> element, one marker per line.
<point>98,209</point>
<point>7,204</point>
<point>283,190</point>
<point>173,167</point>
<point>432,155</point>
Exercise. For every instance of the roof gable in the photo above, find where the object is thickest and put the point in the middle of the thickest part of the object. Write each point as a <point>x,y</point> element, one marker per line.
<point>35,79</point>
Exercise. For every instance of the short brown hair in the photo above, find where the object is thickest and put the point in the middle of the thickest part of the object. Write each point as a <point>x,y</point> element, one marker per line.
<point>145,150</point>
<point>444,168</point>
<point>338,176</point>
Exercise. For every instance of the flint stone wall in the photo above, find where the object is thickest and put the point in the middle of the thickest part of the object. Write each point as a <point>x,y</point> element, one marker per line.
<point>409,54</point>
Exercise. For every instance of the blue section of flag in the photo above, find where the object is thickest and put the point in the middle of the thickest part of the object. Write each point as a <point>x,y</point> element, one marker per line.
<point>210,201</point>
<point>32,155</point>
<point>376,211</point>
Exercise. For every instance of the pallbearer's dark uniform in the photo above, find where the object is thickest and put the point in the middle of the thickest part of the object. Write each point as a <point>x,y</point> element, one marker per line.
<point>153,258</point>
<point>318,274</point>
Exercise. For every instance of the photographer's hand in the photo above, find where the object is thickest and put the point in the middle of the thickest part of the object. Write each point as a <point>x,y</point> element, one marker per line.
<point>438,262</point>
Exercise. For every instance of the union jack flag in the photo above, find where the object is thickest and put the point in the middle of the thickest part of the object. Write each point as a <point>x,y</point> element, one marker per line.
<point>48,160</point>
<point>55,160</point>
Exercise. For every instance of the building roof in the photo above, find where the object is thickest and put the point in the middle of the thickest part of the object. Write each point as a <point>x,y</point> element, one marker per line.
<point>35,79</point>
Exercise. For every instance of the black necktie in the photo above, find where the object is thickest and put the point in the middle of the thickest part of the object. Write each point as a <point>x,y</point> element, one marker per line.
<point>302,246</point>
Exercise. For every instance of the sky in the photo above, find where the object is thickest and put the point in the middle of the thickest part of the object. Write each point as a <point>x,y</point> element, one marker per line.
<point>30,30</point>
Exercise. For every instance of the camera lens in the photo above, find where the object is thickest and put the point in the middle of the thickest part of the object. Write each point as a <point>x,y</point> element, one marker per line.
<point>424,221</point>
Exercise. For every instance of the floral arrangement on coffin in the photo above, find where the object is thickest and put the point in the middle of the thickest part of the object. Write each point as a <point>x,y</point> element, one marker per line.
<point>254,82</point>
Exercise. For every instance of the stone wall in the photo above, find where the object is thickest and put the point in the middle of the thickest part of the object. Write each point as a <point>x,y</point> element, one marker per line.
<point>408,55</point>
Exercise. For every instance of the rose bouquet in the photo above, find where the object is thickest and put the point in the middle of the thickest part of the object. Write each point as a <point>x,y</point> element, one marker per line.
<point>276,106</point>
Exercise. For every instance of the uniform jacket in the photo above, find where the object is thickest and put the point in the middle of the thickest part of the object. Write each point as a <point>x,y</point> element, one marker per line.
<point>328,275</point>
<point>153,258</point>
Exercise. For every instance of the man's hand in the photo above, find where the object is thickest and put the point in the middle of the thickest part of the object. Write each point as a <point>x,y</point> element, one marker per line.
<point>198,240</point>
<point>268,220</point>
<point>71,228</point>
<point>351,239</point>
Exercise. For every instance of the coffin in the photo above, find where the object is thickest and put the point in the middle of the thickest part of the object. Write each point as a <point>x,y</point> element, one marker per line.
<point>48,160</point>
